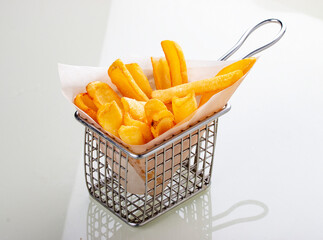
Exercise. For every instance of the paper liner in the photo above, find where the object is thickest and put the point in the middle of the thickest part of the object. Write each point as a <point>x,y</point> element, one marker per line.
<point>74,80</point>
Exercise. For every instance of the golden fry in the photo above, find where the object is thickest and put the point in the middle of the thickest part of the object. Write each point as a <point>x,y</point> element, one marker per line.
<point>110,117</point>
<point>215,84</point>
<point>102,93</point>
<point>159,117</point>
<point>244,65</point>
<point>121,77</point>
<point>162,126</point>
<point>135,108</point>
<point>156,110</point>
<point>85,103</point>
<point>140,78</point>
<point>176,62</point>
<point>183,107</point>
<point>131,135</point>
<point>161,73</point>
<point>144,128</point>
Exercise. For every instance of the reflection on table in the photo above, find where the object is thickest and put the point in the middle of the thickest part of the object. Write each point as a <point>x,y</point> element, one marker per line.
<point>193,219</point>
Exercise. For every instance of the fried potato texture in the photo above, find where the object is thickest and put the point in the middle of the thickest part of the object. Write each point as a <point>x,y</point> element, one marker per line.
<point>176,62</point>
<point>131,135</point>
<point>183,107</point>
<point>101,93</point>
<point>244,65</point>
<point>215,84</point>
<point>121,77</point>
<point>110,117</point>
<point>140,78</point>
<point>85,103</point>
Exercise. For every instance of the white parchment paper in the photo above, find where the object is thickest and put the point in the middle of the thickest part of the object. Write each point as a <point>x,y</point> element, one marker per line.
<point>75,78</point>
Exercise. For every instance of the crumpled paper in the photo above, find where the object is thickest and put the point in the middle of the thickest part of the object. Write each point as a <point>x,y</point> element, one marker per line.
<point>74,80</point>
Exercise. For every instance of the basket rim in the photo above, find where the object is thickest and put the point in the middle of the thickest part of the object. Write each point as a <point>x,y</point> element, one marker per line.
<point>156,147</point>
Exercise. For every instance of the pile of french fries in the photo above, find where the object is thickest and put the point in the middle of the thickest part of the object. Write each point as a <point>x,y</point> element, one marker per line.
<point>142,113</point>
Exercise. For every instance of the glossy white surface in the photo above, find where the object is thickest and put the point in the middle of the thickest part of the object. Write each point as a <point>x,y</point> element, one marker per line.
<point>267,179</point>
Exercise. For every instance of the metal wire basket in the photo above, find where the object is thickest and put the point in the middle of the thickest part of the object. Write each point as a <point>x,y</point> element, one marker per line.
<point>173,171</point>
<point>176,170</point>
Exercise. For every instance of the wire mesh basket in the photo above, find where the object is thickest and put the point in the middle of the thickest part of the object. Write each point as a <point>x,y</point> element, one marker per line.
<point>171,172</point>
<point>175,170</point>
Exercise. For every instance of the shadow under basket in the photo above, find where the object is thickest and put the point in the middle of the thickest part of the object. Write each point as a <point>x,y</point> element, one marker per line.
<point>170,172</point>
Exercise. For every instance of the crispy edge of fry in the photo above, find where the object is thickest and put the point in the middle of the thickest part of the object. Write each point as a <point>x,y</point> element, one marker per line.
<point>85,103</point>
<point>217,84</point>
<point>184,107</point>
<point>101,93</point>
<point>244,65</point>
<point>140,78</point>
<point>135,108</point>
<point>156,109</point>
<point>161,73</point>
<point>110,117</point>
<point>173,61</point>
<point>128,87</point>
<point>162,126</point>
<point>144,128</point>
<point>182,62</point>
<point>131,135</point>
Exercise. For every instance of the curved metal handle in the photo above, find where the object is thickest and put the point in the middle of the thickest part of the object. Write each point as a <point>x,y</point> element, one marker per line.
<point>249,31</point>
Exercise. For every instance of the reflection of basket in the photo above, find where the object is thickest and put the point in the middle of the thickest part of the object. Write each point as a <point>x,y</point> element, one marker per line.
<point>102,225</point>
<point>173,171</point>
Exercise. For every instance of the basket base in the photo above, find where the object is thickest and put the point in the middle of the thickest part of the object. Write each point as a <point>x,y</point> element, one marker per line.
<point>134,224</point>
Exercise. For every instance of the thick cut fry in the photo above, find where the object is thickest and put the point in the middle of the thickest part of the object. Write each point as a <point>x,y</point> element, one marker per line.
<point>162,126</point>
<point>85,103</point>
<point>244,65</point>
<point>183,107</point>
<point>169,107</point>
<point>144,128</point>
<point>131,135</point>
<point>176,62</point>
<point>110,117</point>
<point>102,93</point>
<point>156,110</point>
<point>161,73</point>
<point>140,78</point>
<point>215,84</point>
<point>159,117</point>
<point>121,77</point>
<point>135,108</point>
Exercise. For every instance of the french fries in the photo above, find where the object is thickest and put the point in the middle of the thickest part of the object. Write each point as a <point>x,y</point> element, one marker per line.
<point>156,110</point>
<point>140,78</point>
<point>110,117</point>
<point>135,108</point>
<point>85,103</point>
<point>121,77</point>
<point>142,114</point>
<point>215,84</point>
<point>162,126</point>
<point>244,65</point>
<point>131,135</point>
<point>161,73</point>
<point>183,107</point>
<point>101,93</point>
<point>144,128</point>
<point>176,62</point>
<point>158,117</point>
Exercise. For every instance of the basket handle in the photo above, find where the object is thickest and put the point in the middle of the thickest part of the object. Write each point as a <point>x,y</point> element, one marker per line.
<point>251,30</point>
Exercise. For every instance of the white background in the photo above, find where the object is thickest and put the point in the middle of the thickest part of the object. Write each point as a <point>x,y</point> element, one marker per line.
<point>269,147</point>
